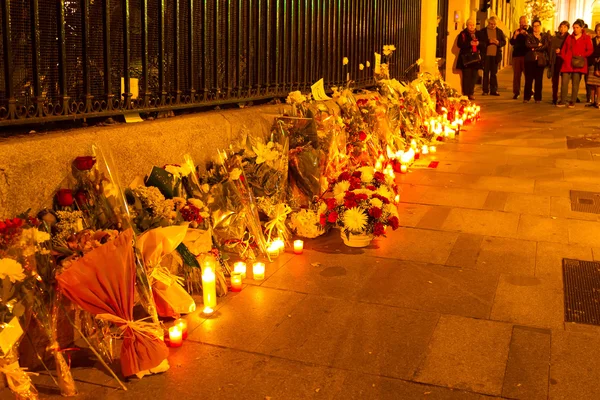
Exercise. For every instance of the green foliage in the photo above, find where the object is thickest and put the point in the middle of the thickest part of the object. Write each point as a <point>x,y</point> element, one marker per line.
<point>540,9</point>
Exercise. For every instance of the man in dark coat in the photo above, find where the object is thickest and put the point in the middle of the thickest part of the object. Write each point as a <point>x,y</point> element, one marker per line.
<point>518,41</point>
<point>491,42</point>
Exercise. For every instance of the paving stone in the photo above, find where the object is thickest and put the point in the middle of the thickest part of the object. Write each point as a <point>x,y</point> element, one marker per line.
<point>578,164</point>
<point>411,214</point>
<point>247,319</point>
<point>369,387</point>
<point>411,193</point>
<point>527,204</point>
<point>575,366</point>
<point>529,301</point>
<point>431,288</point>
<point>553,188</point>
<point>584,232</point>
<point>445,179</point>
<point>476,169</point>
<point>528,364</point>
<point>507,256</point>
<point>505,184</point>
<point>481,222</point>
<point>582,176</point>
<point>548,263</point>
<point>561,207</point>
<point>388,341</point>
<point>540,228</point>
<point>416,245</point>
<point>496,201</point>
<point>465,251</point>
<point>468,354</point>
<point>435,217</point>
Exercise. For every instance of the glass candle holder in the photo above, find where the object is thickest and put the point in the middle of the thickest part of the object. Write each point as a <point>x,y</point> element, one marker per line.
<point>183,326</point>
<point>175,336</point>
<point>258,270</point>
<point>236,282</point>
<point>298,246</point>
<point>240,267</point>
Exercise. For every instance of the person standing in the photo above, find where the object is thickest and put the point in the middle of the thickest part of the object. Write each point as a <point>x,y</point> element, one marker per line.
<point>593,70</point>
<point>575,51</point>
<point>518,41</point>
<point>491,42</point>
<point>536,60</point>
<point>556,60</point>
<point>469,58</point>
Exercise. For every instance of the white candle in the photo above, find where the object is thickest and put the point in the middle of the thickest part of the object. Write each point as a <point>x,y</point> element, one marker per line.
<point>432,149</point>
<point>425,149</point>
<point>403,168</point>
<point>258,270</point>
<point>298,246</point>
<point>240,268</point>
<point>209,289</point>
<point>272,251</point>
<point>280,244</point>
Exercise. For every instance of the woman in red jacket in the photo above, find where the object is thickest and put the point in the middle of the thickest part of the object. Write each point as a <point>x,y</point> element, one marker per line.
<point>575,51</point>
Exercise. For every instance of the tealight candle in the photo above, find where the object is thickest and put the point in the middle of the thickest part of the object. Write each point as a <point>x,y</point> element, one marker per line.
<point>236,282</point>
<point>280,244</point>
<point>258,270</point>
<point>403,168</point>
<point>425,149</point>
<point>298,246</point>
<point>207,311</point>
<point>183,326</point>
<point>209,289</point>
<point>240,268</point>
<point>432,149</point>
<point>273,251</point>
<point>175,336</point>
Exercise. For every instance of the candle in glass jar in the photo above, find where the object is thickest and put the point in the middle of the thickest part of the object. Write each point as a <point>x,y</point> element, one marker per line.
<point>298,246</point>
<point>175,336</point>
<point>425,149</point>
<point>209,289</point>
<point>240,267</point>
<point>258,270</point>
<point>272,251</point>
<point>183,326</point>
<point>432,149</point>
<point>280,244</point>
<point>236,282</point>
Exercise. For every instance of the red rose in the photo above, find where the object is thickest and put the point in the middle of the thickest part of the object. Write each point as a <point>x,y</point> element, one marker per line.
<point>81,198</point>
<point>64,197</point>
<point>379,176</point>
<point>361,196</point>
<point>375,212</point>
<point>371,187</point>
<point>394,222</point>
<point>332,217</point>
<point>397,166</point>
<point>378,229</point>
<point>242,178</point>
<point>354,183</point>
<point>323,219</point>
<point>357,174</point>
<point>362,136</point>
<point>350,203</point>
<point>330,203</point>
<point>344,176</point>
<point>84,163</point>
<point>349,195</point>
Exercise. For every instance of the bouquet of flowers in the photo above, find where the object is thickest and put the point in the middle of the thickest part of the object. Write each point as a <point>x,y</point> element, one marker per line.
<point>306,223</point>
<point>363,203</point>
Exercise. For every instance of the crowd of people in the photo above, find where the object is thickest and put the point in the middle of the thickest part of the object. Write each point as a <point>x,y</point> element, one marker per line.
<point>566,58</point>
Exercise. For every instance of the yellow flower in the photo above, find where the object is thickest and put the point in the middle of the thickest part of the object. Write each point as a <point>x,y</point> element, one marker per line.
<point>361,66</point>
<point>235,174</point>
<point>11,269</point>
<point>388,49</point>
<point>345,61</point>
<point>368,64</point>
<point>339,190</point>
<point>419,61</point>
<point>375,202</point>
<point>355,219</point>
<point>385,192</point>
<point>366,174</point>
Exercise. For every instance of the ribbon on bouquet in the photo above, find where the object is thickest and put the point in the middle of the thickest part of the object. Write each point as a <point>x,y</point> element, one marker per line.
<point>277,222</point>
<point>18,378</point>
<point>149,330</point>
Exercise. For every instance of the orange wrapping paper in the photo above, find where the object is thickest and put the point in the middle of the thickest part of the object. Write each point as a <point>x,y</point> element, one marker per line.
<point>103,282</point>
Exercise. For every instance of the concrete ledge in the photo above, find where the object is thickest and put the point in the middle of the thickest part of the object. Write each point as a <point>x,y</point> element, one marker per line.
<point>32,168</point>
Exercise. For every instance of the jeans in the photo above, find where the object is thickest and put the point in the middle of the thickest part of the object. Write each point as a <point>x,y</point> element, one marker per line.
<point>518,64</point>
<point>490,80</point>
<point>566,77</point>
<point>556,78</point>
<point>533,72</point>
<point>469,78</point>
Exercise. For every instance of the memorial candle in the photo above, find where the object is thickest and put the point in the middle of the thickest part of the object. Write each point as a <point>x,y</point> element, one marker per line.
<point>175,336</point>
<point>240,267</point>
<point>209,289</point>
<point>258,270</point>
<point>236,282</point>
<point>183,326</point>
<point>298,246</point>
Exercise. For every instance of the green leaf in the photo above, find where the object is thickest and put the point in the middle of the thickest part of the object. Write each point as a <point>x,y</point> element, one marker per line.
<point>163,181</point>
<point>187,256</point>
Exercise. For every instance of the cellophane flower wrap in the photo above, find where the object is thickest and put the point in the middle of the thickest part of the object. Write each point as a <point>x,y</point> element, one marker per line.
<point>364,202</point>
<point>103,283</point>
<point>17,291</point>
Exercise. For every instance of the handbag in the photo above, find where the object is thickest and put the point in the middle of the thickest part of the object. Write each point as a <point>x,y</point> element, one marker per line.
<point>577,61</point>
<point>471,58</point>
<point>542,60</point>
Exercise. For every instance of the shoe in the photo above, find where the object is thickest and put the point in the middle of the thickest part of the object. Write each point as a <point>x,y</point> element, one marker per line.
<point>591,105</point>
<point>554,102</point>
<point>537,102</point>
<point>526,101</point>
<point>484,93</point>
<point>516,96</point>
<point>578,101</point>
<point>571,105</point>
<point>472,98</point>
<point>495,94</point>
<point>560,104</point>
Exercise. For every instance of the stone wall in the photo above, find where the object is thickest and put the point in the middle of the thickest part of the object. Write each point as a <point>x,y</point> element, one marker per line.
<point>33,167</point>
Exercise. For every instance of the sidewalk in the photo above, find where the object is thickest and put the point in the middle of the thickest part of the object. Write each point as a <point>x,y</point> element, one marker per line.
<point>464,301</point>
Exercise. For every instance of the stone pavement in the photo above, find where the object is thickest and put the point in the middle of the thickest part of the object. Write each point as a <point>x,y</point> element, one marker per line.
<point>464,301</point>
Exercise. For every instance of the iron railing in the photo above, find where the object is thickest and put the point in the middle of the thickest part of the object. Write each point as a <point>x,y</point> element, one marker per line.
<point>70,59</point>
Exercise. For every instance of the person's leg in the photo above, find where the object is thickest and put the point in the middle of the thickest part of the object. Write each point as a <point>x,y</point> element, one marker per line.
<point>556,79</point>
<point>576,77</point>
<point>518,66</point>
<point>493,75</point>
<point>486,74</point>
<point>564,90</point>
<point>473,81</point>
<point>588,89</point>
<point>539,81</point>
<point>529,73</point>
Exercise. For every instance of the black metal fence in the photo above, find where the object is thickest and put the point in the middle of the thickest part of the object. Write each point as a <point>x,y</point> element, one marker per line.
<point>69,59</point>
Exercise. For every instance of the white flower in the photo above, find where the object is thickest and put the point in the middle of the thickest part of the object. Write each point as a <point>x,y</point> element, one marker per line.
<point>345,61</point>
<point>355,219</point>
<point>361,66</point>
<point>11,269</point>
<point>196,203</point>
<point>388,49</point>
<point>375,202</point>
<point>366,174</point>
<point>306,223</point>
<point>385,192</point>
<point>177,171</point>
<point>339,190</point>
<point>265,152</point>
<point>295,98</point>
<point>368,64</point>
<point>235,174</point>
